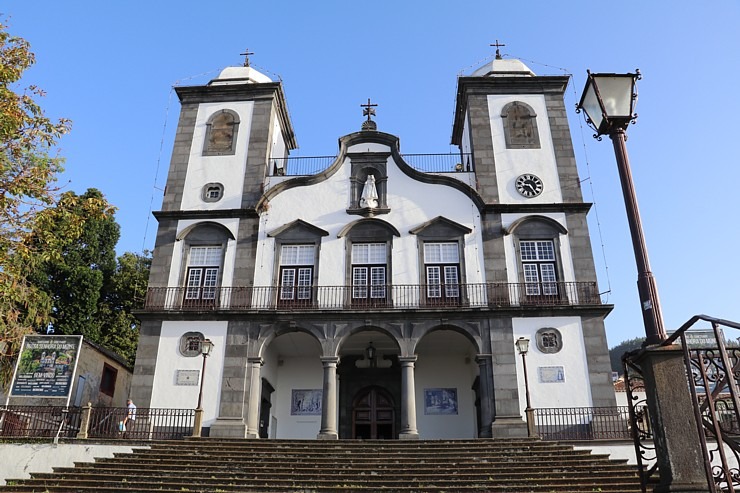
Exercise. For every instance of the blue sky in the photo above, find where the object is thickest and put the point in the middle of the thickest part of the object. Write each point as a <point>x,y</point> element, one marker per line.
<point>110,66</point>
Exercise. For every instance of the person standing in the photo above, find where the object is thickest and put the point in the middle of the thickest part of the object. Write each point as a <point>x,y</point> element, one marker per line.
<point>128,421</point>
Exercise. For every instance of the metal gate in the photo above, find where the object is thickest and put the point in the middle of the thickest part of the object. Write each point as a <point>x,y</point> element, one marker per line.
<point>713,372</point>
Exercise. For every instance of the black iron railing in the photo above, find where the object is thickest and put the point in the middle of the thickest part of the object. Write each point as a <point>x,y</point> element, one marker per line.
<point>427,163</point>
<point>39,421</point>
<point>713,378</point>
<point>147,423</point>
<point>383,297</point>
<point>95,422</point>
<point>583,423</point>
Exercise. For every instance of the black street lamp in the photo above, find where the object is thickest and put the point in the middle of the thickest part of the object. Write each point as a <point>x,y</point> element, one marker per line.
<point>522,345</point>
<point>609,102</point>
<point>205,349</point>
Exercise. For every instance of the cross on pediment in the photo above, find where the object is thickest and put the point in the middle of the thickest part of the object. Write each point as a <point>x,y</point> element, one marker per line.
<point>498,52</point>
<point>246,56</point>
<point>368,109</point>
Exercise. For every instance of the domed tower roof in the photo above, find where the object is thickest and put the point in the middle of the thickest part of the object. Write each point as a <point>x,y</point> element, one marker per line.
<point>239,75</point>
<point>499,67</point>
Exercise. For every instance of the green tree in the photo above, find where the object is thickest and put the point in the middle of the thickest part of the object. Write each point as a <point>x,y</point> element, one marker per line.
<point>615,353</point>
<point>124,294</point>
<point>27,185</point>
<point>76,280</point>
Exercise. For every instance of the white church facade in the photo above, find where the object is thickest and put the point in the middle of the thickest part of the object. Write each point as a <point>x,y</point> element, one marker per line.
<point>371,295</point>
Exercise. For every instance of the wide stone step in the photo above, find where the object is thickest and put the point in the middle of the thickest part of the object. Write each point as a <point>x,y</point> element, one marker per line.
<point>208,485</point>
<point>245,463</point>
<point>525,466</point>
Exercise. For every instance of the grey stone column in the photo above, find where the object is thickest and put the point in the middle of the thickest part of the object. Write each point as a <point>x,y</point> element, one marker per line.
<point>329,400</point>
<point>676,436</point>
<point>408,399</point>
<point>507,418</point>
<point>486,410</point>
<point>255,398</point>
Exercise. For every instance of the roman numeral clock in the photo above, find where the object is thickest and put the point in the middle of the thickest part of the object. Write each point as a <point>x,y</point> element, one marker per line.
<point>529,185</point>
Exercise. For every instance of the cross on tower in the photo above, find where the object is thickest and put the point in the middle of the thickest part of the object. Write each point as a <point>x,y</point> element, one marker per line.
<point>498,45</point>
<point>368,109</point>
<point>246,56</point>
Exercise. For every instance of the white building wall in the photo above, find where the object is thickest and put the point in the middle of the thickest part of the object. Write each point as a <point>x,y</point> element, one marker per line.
<point>304,372</point>
<point>412,203</point>
<point>575,389</point>
<point>510,163</point>
<point>227,170</point>
<point>432,372</point>
<point>166,393</point>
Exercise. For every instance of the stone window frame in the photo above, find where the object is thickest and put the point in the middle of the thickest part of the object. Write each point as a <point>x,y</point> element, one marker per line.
<point>298,232</point>
<point>209,128</point>
<point>533,141</point>
<point>442,230</point>
<point>538,228</point>
<point>208,188</point>
<point>203,234</point>
<point>543,344</point>
<point>186,345</point>
<point>364,231</point>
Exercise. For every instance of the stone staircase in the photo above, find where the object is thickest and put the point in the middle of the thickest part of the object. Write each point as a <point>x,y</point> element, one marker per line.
<point>312,466</point>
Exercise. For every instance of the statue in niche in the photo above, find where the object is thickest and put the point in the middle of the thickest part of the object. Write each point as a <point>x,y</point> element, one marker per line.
<point>221,135</point>
<point>369,193</point>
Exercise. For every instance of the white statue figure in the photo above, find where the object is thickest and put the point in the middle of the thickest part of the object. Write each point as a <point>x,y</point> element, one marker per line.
<point>369,193</point>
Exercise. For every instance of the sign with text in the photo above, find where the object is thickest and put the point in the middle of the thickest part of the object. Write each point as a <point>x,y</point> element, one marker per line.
<point>45,366</point>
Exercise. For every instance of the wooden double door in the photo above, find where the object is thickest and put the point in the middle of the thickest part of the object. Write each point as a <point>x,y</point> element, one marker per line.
<point>373,415</point>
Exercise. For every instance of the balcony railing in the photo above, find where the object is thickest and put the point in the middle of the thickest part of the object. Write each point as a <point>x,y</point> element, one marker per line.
<point>384,297</point>
<point>427,163</point>
<point>584,423</point>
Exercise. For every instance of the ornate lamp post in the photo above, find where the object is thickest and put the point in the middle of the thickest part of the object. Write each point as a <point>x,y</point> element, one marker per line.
<point>609,102</point>
<point>522,345</point>
<point>205,349</point>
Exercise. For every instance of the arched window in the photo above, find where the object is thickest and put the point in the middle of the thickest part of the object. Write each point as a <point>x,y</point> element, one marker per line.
<point>221,132</point>
<point>203,253</point>
<point>520,126</point>
<point>537,241</point>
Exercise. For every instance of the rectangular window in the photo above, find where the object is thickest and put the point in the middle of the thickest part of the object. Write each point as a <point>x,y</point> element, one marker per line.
<point>538,266</point>
<point>369,267</point>
<point>296,273</point>
<point>108,380</point>
<point>442,266</point>
<point>204,264</point>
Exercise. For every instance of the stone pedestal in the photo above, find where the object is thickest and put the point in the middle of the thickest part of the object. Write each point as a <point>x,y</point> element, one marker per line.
<point>677,444</point>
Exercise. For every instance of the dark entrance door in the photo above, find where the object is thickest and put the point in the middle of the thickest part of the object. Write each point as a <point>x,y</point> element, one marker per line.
<point>265,407</point>
<point>373,416</point>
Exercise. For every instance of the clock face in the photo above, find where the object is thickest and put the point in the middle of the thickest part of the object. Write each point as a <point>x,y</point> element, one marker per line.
<point>529,185</point>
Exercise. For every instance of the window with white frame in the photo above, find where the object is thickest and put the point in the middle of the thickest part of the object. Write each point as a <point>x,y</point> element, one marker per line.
<point>442,267</point>
<point>538,265</point>
<point>369,267</point>
<point>296,272</point>
<point>204,264</point>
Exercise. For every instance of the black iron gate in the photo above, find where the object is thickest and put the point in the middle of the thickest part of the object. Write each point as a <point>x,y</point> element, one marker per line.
<point>713,372</point>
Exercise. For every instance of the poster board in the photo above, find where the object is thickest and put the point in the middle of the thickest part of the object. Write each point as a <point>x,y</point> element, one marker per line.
<point>45,366</point>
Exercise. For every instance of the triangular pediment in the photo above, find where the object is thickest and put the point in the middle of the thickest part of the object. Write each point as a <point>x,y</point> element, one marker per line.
<point>442,227</point>
<point>297,228</point>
